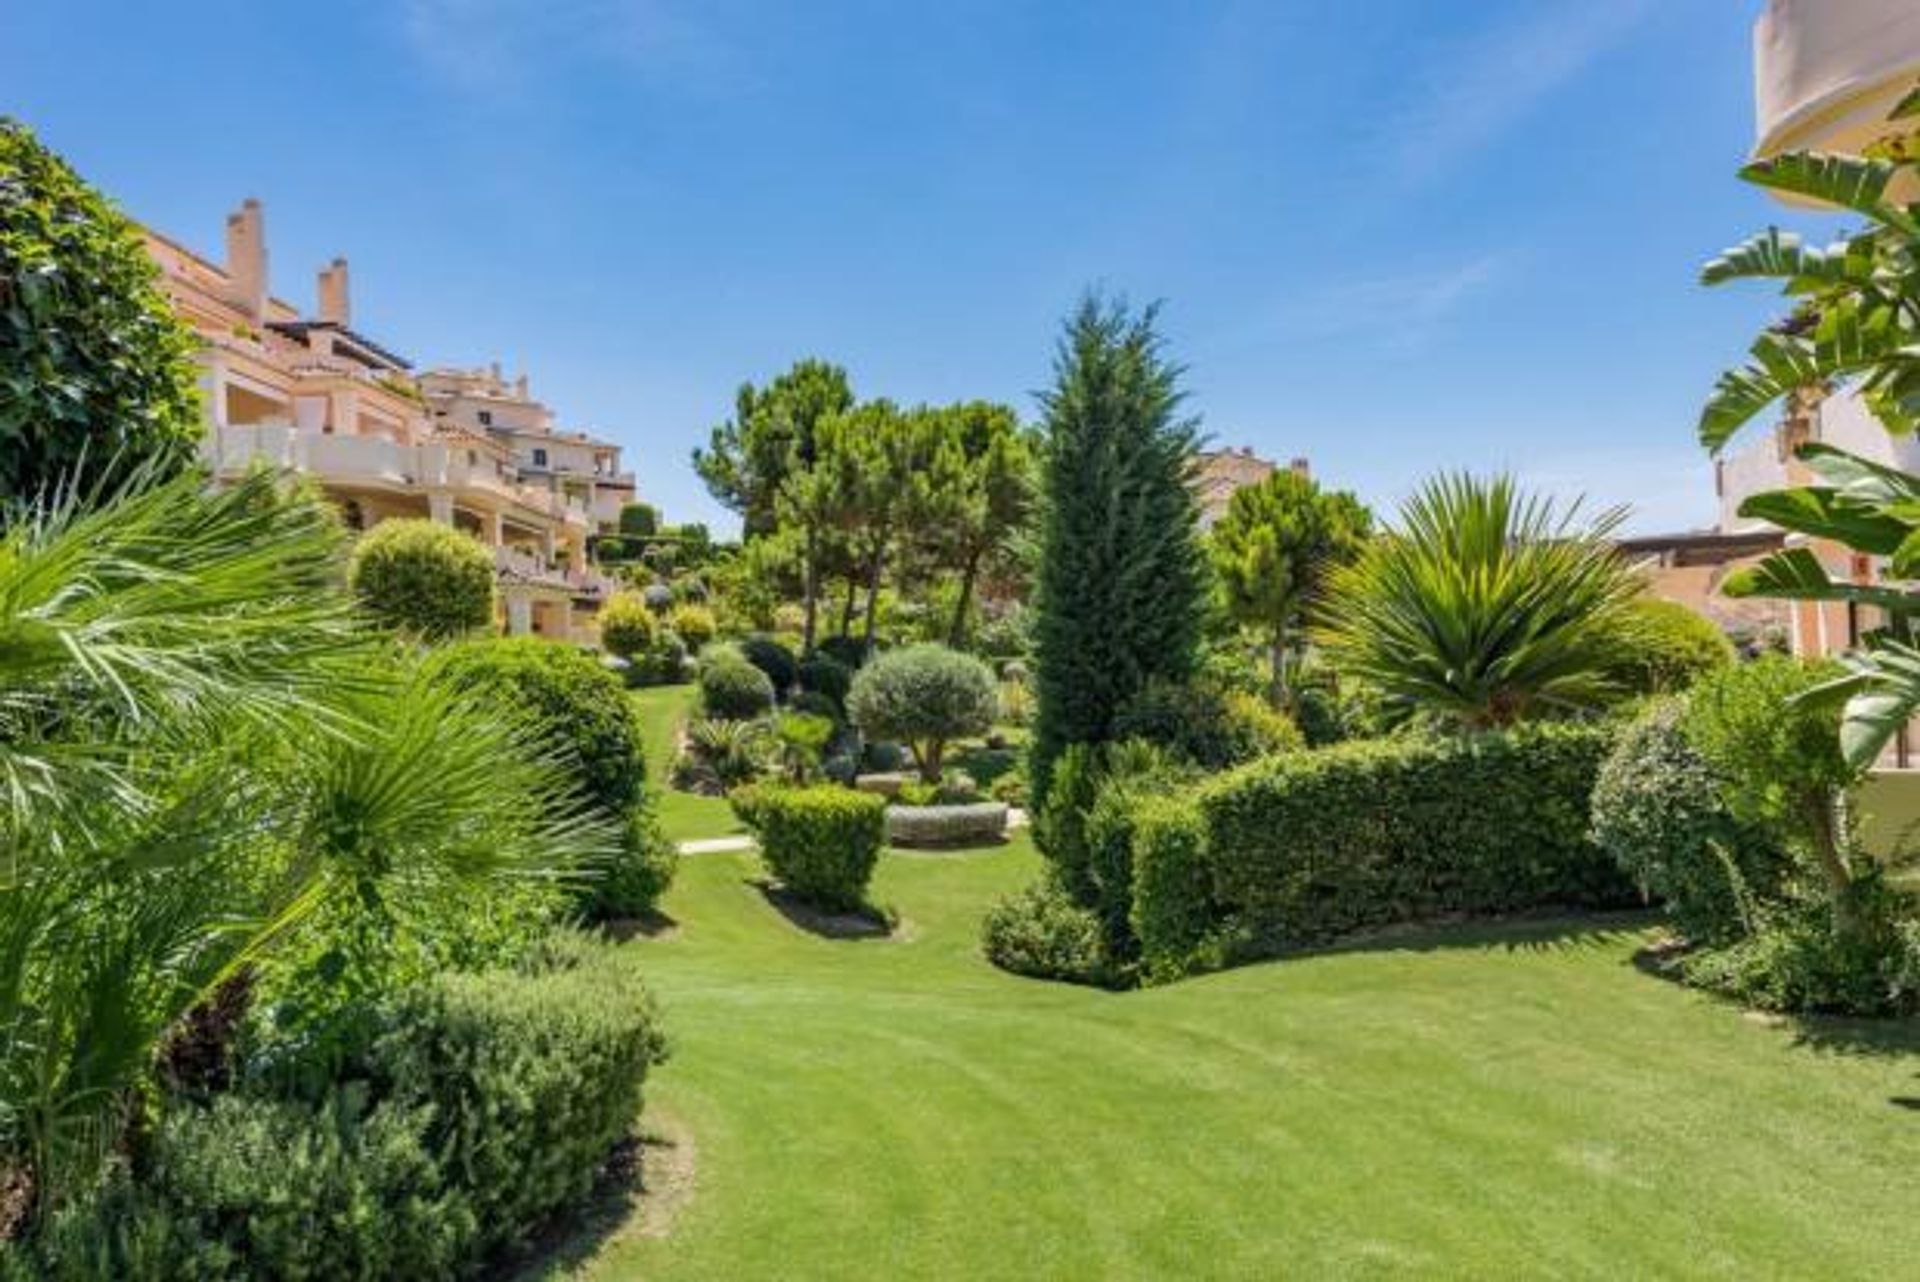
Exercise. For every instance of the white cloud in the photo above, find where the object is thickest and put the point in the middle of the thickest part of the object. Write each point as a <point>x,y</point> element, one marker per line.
<point>1476,91</point>
<point>505,46</point>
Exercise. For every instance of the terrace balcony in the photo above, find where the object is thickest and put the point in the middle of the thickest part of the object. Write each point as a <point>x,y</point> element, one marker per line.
<point>1827,72</point>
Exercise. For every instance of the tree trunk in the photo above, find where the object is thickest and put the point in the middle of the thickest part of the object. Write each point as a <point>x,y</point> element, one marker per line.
<point>931,757</point>
<point>847,607</point>
<point>874,565</point>
<point>1277,658</point>
<point>1833,866</point>
<point>811,576</point>
<point>957,630</point>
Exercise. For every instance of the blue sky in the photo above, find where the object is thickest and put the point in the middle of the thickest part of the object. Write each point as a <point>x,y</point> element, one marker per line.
<point>1390,235</point>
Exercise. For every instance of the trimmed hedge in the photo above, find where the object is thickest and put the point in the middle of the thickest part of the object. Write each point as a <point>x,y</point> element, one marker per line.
<point>1309,846</point>
<point>822,843</point>
<point>1172,911</point>
<point>774,659</point>
<point>488,1103</point>
<point>979,823</point>
<point>732,688</point>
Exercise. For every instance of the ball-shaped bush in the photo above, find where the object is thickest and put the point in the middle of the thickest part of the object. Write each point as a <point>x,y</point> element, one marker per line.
<point>423,578</point>
<point>821,842</point>
<point>578,706</point>
<point>730,687</point>
<point>694,624</point>
<point>774,659</point>
<point>826,676</point>
<point>627,627</point>
<point>1657,809</point>
<point>657,596</point>
<point>926,696</point>
<point>1671,648</point>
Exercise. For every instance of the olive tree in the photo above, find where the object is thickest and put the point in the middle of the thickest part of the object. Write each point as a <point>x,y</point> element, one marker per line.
<point>925,696</point>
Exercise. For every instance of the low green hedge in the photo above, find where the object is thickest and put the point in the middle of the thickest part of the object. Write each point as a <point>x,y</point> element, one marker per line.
<point>1306,847</point>
<point>1173,915</point>
<point>821,843</point>
<point>485,1105</point>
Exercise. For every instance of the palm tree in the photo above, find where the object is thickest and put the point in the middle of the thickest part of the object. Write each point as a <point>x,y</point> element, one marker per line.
<point>1484,607</point>
<point>200,746</point>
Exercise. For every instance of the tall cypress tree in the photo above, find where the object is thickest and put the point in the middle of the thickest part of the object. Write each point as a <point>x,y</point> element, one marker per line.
<point>1121,581</point>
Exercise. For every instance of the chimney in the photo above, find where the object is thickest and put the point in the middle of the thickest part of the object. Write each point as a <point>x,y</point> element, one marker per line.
<point>520,387</point>
<point>334,303</point>
<point>494,370</point>
<point>247,260</point>
<point>1301,468</point>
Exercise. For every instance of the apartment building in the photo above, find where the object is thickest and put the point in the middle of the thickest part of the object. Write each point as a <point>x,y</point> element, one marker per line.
<point>312,394</point>
<point>1219,474</point>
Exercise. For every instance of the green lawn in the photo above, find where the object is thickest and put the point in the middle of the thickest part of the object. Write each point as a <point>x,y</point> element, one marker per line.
<point>683,815</point>
<point>1506,1103</point>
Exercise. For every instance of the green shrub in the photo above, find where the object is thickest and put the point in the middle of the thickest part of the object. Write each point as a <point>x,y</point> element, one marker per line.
<point>485,1104</point>
<point>639,521</point>
<point>99,372</point>
<point>722,754</point>
<point>822,843</point>
<point>1059,821</point>
<point>803,739</point>
<point>1658,810</point>
<point>1128,773</point>
<point>1173,912</point>
<point>850,652</point>
<point>774,659</point>
<point>579,705</point>
<point>826,676</point>
<point>694,625</point>
<point>925,695</point>
<point>730,687</point>
<point>1311,845</point>
<point>423,579</point>
<point>1042,932</point>
<point>1801,959</point>
<point>1209,726</point>
<point>639,873</point>
<point>627,626</point>
<point>1671,648</point>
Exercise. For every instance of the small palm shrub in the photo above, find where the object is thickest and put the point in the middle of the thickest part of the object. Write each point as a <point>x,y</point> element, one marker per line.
<point>423,579</point>
<point>803,739</point>
<point>1483,608</point>
<point>722,754</point>
<point>730,687</point>
<point>1658,810</point>
<point>627,627</point>
<point>925,696</point>
<point>1670,648</point>
<point>823,842</point>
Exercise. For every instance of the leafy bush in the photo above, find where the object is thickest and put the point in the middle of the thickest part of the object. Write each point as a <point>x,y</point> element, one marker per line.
<point>1042,932</point>
<point>627,627</point>
<point>1311,845</point>
<point>1671,648</point>
<point>100,380</point>
<point>1805,958</point>
<point>639,521</point>
<point>850,652</point>
<point>1014,703</point>
<point>730,687</point>
<point>824,675</point>
<point>694,625</point>
<point>485,1104</point>
<point>803,738</point>
<point>579,706</point>
<point>925,695</point>
<point>976,823</point>
<point>822,842</point>
<point>423,579</point>
<point>1173,911</point>
<point>1658,810</point>
<point>1210,727</point>
<point>639,872</point>
<point>774,659</point>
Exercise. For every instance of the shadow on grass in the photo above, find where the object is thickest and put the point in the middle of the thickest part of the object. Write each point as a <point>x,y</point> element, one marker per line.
<point>865,922</point>
<point>640,1189</point>
<point>1542,933</point>
<point>652,924</point>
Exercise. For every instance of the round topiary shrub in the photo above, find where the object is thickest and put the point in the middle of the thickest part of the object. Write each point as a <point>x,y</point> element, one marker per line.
<point>695,625</point>
<point>732,688</point>
<point>850,651</point>
<point>627,627</point>
<point>423,579</point>
<point>1671,648</point>
<point>925,696</point>
<point>826,676</point>
<point>579,706</point>
<point>1041,932</point>
<point>1657,810</point>
<point>99,372</point>
<point>774,659</point>
<point>822,843</point>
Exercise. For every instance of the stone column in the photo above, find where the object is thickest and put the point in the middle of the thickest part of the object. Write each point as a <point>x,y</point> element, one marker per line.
<point>519,614</point>
<point>440,506</point>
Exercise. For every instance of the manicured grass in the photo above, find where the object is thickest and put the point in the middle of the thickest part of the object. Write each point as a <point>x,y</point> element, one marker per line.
<point>1517,1102</point>
<point>683,815</point>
